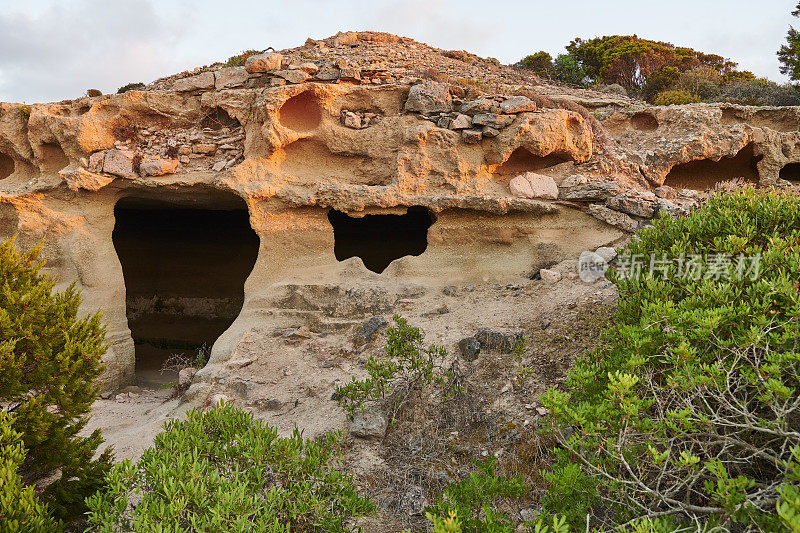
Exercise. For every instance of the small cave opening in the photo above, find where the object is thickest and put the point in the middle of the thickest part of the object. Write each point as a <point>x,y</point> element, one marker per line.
<point>6,166</point>
<point>790,172</point>
<point>704,174</point>
<point>642,121</point>
<point>184,270</point>
<point>522,160</point>
<point>53,158</point>
<point>301,112</point>
<point>380,239</point>
<point>217,118</point>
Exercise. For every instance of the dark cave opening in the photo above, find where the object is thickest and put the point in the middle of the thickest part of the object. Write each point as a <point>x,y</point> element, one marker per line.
<point>380,239</point>
<point>791,172</point>
<point>184,271</point>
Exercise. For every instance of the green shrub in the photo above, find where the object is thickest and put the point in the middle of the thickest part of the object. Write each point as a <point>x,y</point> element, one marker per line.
<point>567,69</point>
<point>93,92</point>
<point>406,366</point>
<point>692,411</point>
<point>540,63</point>
<point>220,470</point>
<point>239,59</point>
<point>759,92</point>
<point>675,97</point>
<point>136,86</point>
<point>20,509</point>
<point>25,111</point>
<point>471,502</point>
<point>50,361</point>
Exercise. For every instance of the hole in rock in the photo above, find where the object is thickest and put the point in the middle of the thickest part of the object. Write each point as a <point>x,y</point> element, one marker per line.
<point>791,172</point>
<point>53,158</point>
<point>301,112</point>
<point>217,118</point>
<point>644,121</point>
<point>6,166</point>
<point>521,160</point>
<point>705,173</point>
<point>184,271</point>
<point>380,239</point>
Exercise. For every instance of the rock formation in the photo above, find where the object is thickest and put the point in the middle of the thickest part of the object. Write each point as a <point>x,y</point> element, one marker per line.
<point>488,174</point>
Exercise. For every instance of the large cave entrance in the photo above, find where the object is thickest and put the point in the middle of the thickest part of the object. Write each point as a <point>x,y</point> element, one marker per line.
<point>184,270</point>
<point>704,174</point>
<point>380,239</point>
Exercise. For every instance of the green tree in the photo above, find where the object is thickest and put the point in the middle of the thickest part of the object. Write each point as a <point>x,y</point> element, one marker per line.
<point>20,509</point>
<point>569,70</point>
<point>789,53</point>
<point>540,63</point>
<point>50,360</point>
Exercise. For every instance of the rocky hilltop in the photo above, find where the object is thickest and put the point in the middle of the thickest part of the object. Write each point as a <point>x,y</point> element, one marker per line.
<point>508,173</point>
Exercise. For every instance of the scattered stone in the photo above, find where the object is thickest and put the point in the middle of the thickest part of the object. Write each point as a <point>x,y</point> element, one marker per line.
<point>450,290</point>
<point>429,97</point>
<point>350,74</point>
<point>532,185</point>
<point>414,501</point>
<point>481,105</point>
<point>293,76</point>
<point>119,163</point>
<point>607,253</point>
<point>218,166</point>
<point>350,120</point>
<point>195,83</point>
<point>633,205</point>
<point>502,341</point>
<point>157,167</point>
<point>580,188</point>
<point>492,120</point>
<point>666,192</point>
<point>185,377</point>
<point>204,148</point>
<point>309,67</point>
<point>229,77</point>
<point>461,122</point>
<point>327,74</point>
<point>550,276</point>
<point>614,218</point>
<point>369,422</point>
<point>444,122</point>
<point>367,331</point>
<point>471,136</point>
<point>263,62</point>
<point>517,104</point>
<point>489,132</point>
<point>469,348</point>
<point>96,162</point>
<point>591,266</point>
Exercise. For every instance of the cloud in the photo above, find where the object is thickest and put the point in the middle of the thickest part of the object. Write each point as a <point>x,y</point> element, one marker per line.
<point>64,49</point>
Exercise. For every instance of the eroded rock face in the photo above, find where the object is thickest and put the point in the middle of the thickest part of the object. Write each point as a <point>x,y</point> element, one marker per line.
<point>289,139</point>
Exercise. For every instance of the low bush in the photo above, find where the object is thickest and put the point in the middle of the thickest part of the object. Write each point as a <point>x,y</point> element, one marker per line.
<point>50,361</point>
<point>93,92</point>
<point>692,413</point>
<point>221,470</point>
<point>675,97</point>
<point>469,506</point>
<point>406,366</point>
<point>239,59</point>
<point>136,86</point>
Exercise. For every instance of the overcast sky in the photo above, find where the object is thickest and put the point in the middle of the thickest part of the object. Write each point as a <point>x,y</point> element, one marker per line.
<point>53,50</point>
